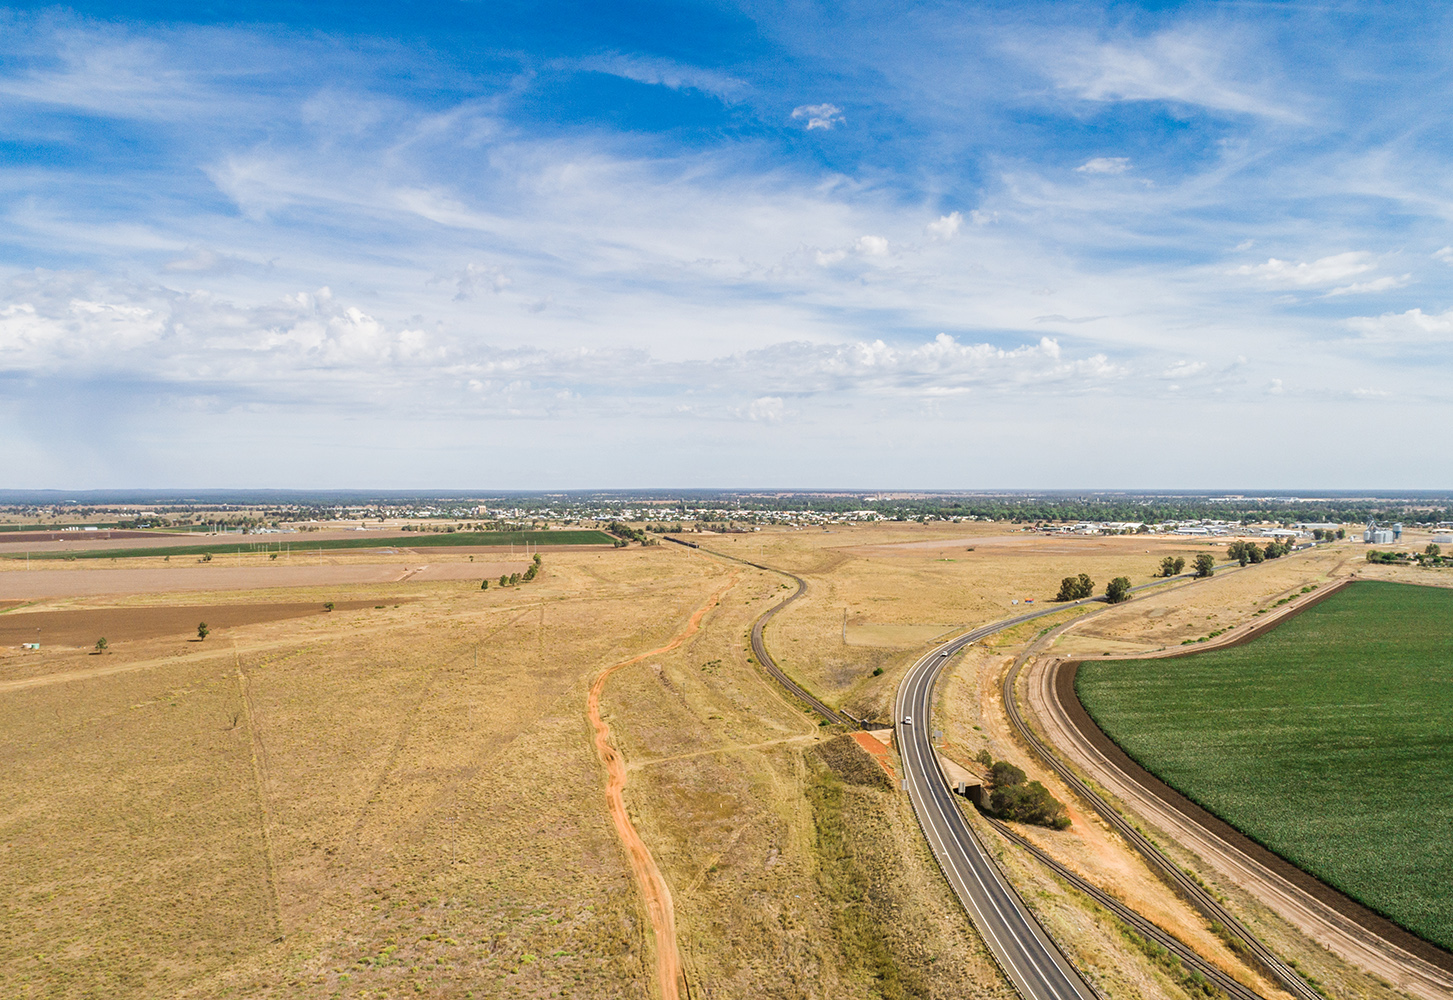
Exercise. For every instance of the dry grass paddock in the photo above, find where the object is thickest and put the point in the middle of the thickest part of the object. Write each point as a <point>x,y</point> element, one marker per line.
<point>406,801</point>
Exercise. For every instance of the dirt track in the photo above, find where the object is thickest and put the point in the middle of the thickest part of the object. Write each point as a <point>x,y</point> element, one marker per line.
<point>654,890</point>
<point>1398,960</point>
<point>93,581</point>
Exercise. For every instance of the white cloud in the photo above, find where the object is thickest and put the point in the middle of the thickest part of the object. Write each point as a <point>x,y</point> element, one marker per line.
<point>818,115</point>
<point>947,226</point>
<point>1382,284</point>
<point>1184,369</point>
<point>1445,255</point>
<point>872,246</point>
<point>1413,328</point>
<point>1187,67</point>
<point>1104,165</point>
<point>666,73</point>
<point>766,409</point>
<point>1325,271</point>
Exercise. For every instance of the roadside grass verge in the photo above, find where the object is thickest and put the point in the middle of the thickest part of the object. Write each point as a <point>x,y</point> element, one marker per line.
<point>852,885</point>
<point>300,543</point>
<point>1326,740</point>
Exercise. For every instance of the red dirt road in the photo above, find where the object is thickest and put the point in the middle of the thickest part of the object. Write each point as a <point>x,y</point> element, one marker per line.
<point>652,884</point>
<point>877,749</point>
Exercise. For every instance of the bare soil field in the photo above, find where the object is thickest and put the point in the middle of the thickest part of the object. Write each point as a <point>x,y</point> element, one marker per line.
<point>83,626</point>
<point>30,539</point>
<point>88,580</point>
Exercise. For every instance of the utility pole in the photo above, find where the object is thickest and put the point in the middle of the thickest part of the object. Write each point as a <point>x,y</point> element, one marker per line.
<point>845,626</point>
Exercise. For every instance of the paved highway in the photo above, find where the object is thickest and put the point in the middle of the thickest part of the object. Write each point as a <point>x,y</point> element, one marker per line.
<point>1031,961</point>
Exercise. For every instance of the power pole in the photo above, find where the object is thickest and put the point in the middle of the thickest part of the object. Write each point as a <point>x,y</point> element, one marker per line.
<point>845,626</point>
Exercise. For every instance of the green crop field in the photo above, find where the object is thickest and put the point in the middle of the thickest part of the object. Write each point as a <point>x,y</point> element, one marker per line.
<point>1328,739</point>
<point>300,543</point>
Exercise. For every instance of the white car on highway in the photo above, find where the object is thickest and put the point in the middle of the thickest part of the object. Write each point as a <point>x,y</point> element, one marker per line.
<point>908,720</point>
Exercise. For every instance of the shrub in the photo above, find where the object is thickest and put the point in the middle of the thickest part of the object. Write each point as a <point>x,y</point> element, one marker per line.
<point>985,758</point>
<point>1002,773</point>
<point>202,630</point>
<point>1029,802</point>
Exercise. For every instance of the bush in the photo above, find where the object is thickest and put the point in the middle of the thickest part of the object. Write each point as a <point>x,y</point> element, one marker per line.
<point>1029,802</point>
<point>1003,773</point>
<point>985,758</point>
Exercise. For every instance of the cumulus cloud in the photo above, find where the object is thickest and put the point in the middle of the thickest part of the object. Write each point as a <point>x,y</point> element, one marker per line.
<point>947,226</point>
<point>818,115</point>
<point>1324,271</point>
<point>1184,369</point>
<point>1414,327</point>
<point>475,278</point>
<point>1445,255</point>
<point>1104,165</point>
<point>872,246</point>
<point>766,409</point>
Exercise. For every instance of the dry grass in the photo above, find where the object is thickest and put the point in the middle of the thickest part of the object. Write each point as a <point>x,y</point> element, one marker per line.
<point>348,805</point>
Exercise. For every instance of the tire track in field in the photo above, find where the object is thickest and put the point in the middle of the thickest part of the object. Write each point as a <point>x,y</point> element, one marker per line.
<point>652,883</point>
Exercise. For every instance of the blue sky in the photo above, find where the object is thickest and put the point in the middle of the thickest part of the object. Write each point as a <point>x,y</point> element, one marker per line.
<point>438,245</point>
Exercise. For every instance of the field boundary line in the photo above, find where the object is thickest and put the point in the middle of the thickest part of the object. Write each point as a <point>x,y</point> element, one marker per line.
<point>262,814</point>
<point>407,728</point>
<point>655,893</point>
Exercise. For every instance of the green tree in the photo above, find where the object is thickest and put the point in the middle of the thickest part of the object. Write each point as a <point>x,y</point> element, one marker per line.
<point>1180,565</point>
<point>1029,802</point>
<point>202,630</point>
<point>504,581</point>
<point>514,579</point>
<point>985,758</point>
<point>101,644</point>
<point>1168,566</point>
<point>484,585</point>
<point>1341,533</point>
<point>1003,773</point>
<point>1205,564</point>
<point>1118,590</point>
<point>1085,587</point>
<point>1068,587</point>
<point>1433,551</point>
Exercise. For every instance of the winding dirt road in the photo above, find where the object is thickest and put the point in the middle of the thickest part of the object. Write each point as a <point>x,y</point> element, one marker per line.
<point>648,877</point>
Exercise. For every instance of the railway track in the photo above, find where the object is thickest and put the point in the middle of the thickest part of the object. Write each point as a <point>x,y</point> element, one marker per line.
<point>1231,987</point>
<point>759,646</point>
<point>1179,880</point>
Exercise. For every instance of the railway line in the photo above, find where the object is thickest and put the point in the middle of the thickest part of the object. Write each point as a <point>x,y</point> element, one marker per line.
<point>1031,961</point>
